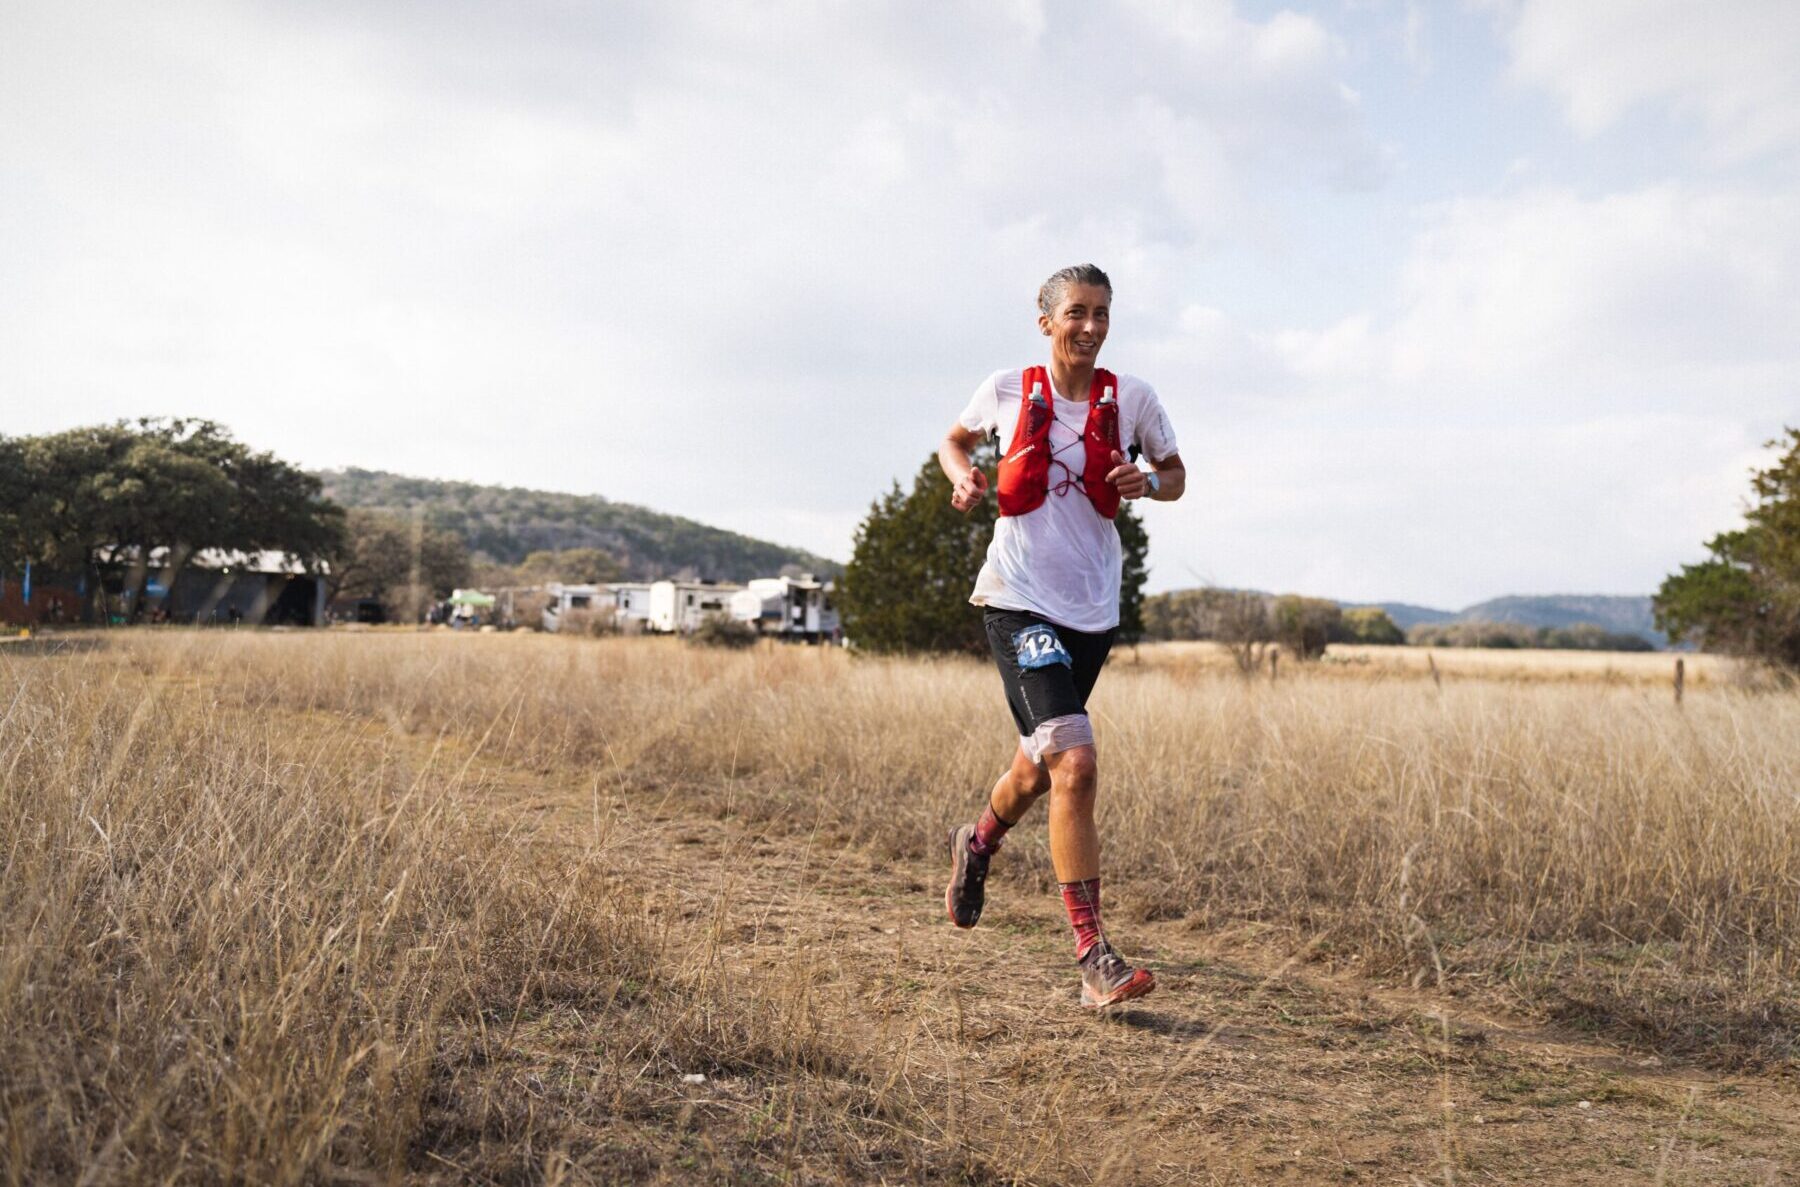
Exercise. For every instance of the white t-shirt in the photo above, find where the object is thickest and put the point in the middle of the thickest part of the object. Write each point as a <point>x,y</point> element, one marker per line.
<point>1062,560</point>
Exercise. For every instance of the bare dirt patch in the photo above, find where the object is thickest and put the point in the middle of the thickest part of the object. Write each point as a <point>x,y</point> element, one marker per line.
<point>1251,1063</point>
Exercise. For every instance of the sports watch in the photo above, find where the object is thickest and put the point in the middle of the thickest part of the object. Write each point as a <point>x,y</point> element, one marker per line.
<point>1153,480</point>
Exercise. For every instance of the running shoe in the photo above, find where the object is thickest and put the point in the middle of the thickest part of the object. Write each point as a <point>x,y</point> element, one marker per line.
<point>1107,980</point>
<point>968,878</point>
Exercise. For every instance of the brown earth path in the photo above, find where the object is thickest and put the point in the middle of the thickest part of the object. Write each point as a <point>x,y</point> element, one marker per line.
<point>1247,1065</point>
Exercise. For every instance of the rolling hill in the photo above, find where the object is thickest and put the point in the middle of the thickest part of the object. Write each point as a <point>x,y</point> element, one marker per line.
<point>504,523</point>
<point>1406,615</point>
<point>1628,615</point>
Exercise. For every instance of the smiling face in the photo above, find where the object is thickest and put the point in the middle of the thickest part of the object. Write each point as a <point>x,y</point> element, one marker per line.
<point>1077,326</point>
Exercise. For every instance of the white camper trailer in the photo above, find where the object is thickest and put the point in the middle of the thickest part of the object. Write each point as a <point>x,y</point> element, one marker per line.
<point>679,607</point>
<point>564,598</point>
<point>631,600</point>
<point>793,608</point>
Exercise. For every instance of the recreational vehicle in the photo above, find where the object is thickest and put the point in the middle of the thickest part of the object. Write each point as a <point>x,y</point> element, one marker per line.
<point>793,608</point>
<point>679,607</point>
<point>631,600</point>
<point>564,598</point>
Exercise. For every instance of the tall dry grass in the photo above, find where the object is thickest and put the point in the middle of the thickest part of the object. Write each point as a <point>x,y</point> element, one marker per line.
<point>236,947</point>
<point>1365,662</point>
<point>256,925</point>
<point>1617,860</point>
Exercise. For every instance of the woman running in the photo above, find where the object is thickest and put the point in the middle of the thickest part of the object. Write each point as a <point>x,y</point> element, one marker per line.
<point>1050,592</point>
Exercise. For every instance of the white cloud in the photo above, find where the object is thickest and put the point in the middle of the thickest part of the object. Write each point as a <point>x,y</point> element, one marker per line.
<point>660,251</point>
<point>1564,394</point>
<point>1449,515</point>
<point>1669,297</point>
<point>745,262</point>
<point>1413,38</point>
<point>1729,66</point>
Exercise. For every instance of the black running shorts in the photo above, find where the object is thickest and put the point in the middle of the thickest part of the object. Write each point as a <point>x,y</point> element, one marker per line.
<point>1048,670</point>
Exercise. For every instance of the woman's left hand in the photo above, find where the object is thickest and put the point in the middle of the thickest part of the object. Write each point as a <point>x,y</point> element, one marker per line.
<point>1128,478</point>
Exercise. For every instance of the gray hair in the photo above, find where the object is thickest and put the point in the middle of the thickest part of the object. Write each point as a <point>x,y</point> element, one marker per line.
<point>1054,289</point>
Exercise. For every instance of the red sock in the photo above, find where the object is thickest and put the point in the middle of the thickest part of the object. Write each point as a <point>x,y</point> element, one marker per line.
<point>1082,899</point>
<point>988,831</point>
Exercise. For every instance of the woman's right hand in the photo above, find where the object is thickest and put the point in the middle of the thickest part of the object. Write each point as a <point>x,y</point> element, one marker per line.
<point>969,491</point>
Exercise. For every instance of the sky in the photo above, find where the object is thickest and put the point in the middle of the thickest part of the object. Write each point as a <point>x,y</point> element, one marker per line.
<point>1445,301</point>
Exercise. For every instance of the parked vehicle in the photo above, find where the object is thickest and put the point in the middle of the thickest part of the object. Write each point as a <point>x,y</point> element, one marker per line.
<point>790,607</point>
<point>678,607</point>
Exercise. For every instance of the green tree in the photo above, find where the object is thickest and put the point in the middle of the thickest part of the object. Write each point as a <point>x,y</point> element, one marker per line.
<point>915,559</point>
<point>112,495</point>
<point>1240,619</point>
<point>1745,599</point>
<point>91,493</point>
<point>1159,615</point>
<point>20,494</point>
<point>402,563</point>
<point>573,566</point>
<point>278,507</point>
<point>1371,625</point>
<point>1305,625</point>
<point>1134,544</point>
<point>1189,614</point>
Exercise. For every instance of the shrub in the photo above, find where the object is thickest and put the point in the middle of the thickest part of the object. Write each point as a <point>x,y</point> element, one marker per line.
<point>1227,615</point>
<point>721,630</point>
<point>596,621</point>
<point>528,609</point>
<point>1305,625</point>
<point>1369,625</point>
<point>1471,634</point>
<point>1586,636</point>
<point>1582,636</point>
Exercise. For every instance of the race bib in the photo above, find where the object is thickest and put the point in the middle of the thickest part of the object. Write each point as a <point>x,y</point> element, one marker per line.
<point>1038,647</point>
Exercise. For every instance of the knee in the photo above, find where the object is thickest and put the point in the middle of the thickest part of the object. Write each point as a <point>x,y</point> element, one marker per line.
<point>1076,771</point>
<point>1029,778</point>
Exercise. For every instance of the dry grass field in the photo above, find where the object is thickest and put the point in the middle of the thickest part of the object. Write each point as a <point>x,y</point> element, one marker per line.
<point>1360,662</point>
<point>397,907</point>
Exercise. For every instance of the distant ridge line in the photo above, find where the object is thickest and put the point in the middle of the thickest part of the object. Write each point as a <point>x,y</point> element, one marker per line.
<point>1630,614</point>
<point>504,523</point>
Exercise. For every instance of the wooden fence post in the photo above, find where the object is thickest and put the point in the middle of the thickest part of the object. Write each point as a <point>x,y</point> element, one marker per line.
<point>1274,660</point>
<point>1680,678</point>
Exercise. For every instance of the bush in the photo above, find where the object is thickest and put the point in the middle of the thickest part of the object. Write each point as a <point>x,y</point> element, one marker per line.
<point>1582,636</point>
<point>721,630</point>
<point>1586,636</point>
<point>1471,634</point>
<point>1305,625</point>
<point>528,608</point>
<point>1227,615</point>
<point>597,621</point>
<point>1239,619</point>
<point>1369,625</point>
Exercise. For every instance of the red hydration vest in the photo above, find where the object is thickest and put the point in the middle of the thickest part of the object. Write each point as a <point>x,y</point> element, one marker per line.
<point>1025,470</point>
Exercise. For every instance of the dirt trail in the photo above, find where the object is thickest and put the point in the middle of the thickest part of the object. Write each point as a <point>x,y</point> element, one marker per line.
<point>1245,1066</point>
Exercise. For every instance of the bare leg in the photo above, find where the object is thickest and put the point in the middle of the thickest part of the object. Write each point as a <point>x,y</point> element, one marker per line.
<point>1018,788</point>
<point>972,845</point>
<point>1074,841</point>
